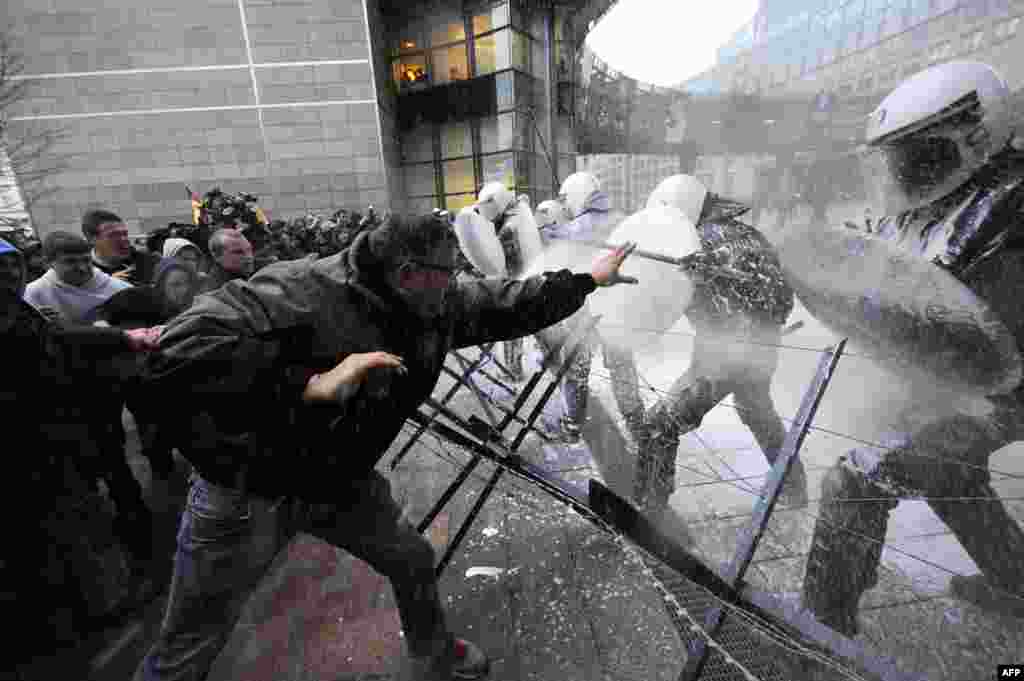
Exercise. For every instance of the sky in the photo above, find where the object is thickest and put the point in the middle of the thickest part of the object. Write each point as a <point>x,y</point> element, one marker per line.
<point>665,42</point>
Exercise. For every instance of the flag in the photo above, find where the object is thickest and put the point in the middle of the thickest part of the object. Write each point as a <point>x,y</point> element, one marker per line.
<point>197,205</point>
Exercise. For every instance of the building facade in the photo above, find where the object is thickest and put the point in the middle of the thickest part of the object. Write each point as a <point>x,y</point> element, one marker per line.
<point>478,94</point>
<point>628,179</point>
<point>309,104</point>
<point>843,57</point>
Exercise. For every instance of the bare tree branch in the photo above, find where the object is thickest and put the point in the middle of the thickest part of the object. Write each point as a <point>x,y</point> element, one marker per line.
<point>27,147</point>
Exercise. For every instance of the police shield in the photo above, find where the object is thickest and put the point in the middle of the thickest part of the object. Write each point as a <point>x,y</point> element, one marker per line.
<point>904,310</point>
<point>480,243</point>
<point>663,293</point>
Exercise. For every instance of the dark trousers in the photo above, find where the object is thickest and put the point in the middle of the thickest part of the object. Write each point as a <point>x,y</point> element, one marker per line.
<point>134,520</point>
<point>227,541</point>
<point>945,461</point>
<point>722,364</point>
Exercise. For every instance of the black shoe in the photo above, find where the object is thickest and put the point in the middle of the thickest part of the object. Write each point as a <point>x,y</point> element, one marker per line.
<point>975,589</point>
<point>463,661</point>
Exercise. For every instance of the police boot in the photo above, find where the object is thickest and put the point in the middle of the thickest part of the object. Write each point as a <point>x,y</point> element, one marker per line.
<point>846,549</point>
<point>994,541</point>
<point>576,392</point>
<point>514,358</point>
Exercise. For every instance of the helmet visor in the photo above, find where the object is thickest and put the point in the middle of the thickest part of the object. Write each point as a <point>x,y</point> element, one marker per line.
<point>917,169</point>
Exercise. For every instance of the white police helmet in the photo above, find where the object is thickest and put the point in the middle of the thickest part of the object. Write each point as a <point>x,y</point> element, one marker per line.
<point>576,190</point>
<point>550,212</point>
<point>684,192</point>
<point>933,132</point>
<point>494,199</point>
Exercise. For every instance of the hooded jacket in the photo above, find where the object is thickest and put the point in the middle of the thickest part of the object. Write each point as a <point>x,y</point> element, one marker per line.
<point>76,304</point>
<point>174,246</point>
<point>236,363</point>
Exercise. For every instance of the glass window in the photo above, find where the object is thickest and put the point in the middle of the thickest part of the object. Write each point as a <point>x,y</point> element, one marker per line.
<point>566,167</point>
<point>520,51</point>
<point>999,8</point>
<point>523,161</point>
<point>499,168</point>
<point>423,205</point>
<point>973,10</point>
<point>450,64</point>
<point>496,17</point>
<point>526,88</point>
<point>418,144</point>
<point>456,140</point>
<point>411,72</point>
<point>499,133</point>
<point>419,179</point>
<point>540,176</point>
<point>410,38</point>
<point>539,66</point>
<point>919,11</point>
<point>505,90</point>
<point>450,31</point>
<point>458,176</point>
<point>891,24</point>
<point>456,202</point>
<point>493,53</point>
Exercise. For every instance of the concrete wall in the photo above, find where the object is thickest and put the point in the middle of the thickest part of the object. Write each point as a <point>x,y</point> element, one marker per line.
<point>156,94</point>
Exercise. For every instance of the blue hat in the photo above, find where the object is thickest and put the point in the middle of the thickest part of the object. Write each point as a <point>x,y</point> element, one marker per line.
<point>7,247</point>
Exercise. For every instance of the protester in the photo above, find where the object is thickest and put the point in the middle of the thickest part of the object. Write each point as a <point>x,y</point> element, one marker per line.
<point>174,287</point>
<point>72,289</point>
<point>112,251</point>
<point>279,429</point>
<point>232,259</point>
<point>172,292</point>
<point>50,566</point>
<point>184,250</point>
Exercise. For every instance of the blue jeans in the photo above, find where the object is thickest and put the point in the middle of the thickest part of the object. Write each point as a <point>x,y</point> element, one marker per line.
<point>228,539</point>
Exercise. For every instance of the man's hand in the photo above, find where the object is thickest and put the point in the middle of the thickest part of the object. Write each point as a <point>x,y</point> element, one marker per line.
<point>51,314</point>
<point>124,274</point>
<point>144,340</point>
<point>606,270</point>
<point>341,382</point>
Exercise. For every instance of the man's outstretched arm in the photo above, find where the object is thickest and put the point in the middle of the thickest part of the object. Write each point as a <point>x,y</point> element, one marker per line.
<point>494,310</point>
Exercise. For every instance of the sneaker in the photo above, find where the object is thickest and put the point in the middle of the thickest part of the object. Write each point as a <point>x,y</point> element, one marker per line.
<point>468,661</point>
<point>975,589</point>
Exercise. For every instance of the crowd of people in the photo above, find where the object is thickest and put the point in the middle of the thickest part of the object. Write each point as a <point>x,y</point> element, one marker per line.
<point>199,341</point>
<point>280,360</point>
